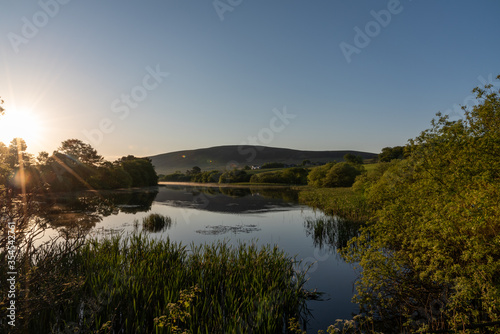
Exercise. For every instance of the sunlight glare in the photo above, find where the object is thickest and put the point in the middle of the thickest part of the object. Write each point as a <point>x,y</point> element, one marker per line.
<point>19,124</point>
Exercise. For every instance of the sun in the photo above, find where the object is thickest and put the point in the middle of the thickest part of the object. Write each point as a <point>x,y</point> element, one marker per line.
<point>19,123</point>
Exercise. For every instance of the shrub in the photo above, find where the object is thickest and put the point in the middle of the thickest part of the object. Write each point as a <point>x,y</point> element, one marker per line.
<point>331,175</point>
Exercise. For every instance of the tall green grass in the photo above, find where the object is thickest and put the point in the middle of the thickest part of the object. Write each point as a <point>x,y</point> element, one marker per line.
<point>342,202</point>
<point>156,222</point>
<point>141,285</point>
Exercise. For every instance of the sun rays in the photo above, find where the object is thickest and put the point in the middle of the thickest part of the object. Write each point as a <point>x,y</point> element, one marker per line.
<point>20,123</point>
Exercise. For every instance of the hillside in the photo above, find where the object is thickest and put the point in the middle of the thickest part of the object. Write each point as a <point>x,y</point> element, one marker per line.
<point>228,157</point>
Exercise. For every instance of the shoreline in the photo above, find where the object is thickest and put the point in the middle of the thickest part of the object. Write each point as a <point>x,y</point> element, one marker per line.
<point>225,185</point>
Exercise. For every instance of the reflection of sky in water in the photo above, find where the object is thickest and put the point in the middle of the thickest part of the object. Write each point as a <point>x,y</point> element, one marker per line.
<point>272,221</point>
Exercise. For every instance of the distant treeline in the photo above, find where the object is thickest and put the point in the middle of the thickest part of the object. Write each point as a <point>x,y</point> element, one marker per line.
<point>75,165</point>
<point>332,174</point>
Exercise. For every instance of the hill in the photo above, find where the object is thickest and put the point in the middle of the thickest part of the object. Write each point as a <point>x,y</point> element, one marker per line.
<point>231,156</point>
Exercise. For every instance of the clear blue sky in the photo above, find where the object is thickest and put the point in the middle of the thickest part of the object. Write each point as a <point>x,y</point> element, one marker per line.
<point>73,64</point>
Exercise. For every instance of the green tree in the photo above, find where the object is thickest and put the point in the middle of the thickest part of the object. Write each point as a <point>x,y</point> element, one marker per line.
<point>42,158</point>
<point>17,153</point>
<point>141,170</point>
<point>341,174</point>
<point>193,171</point>
<point>80,151</point>
<point>234,176</point>
<point>391,153</point>
<point>317,175</point>
<point>353,159</point>
<point>431,255</point>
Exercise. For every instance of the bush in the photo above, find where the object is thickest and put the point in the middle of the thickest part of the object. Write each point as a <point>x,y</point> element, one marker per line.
<point>272,165</point>
<point>234,176</point>
<point>331,175</point>
<point>294,175</point>
<point>430,258</point>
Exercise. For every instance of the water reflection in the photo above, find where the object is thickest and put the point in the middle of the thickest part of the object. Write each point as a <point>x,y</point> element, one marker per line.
<point>208,214</point>
<point>331,232</point>
<point>228,199</point>
<point>83,210</point>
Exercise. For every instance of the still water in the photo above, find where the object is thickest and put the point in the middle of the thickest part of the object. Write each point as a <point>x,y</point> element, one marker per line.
<point>206,214</point>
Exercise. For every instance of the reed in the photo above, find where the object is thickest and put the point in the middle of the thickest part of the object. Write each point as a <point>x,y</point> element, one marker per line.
<point>156,222</point>
<point>342,202</point>
<point>137,284</point>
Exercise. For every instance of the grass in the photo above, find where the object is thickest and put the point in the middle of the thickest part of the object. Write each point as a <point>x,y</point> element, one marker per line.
<point>371,166</point>
<point>156,222</point>
<point>141,285</point>
<point>341,202</point>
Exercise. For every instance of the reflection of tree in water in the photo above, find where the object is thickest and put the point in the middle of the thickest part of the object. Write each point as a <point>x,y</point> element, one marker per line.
<point>331,232</point>
<point>133,202</point>
<point>83,210</point>
<point>235,192</point>
<point>286,194</point>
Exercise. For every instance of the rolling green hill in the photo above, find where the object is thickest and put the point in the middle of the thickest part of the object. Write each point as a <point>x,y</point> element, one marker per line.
<point>231,156</point>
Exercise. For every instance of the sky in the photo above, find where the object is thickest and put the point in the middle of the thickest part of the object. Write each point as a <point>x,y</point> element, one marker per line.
<point>151,77</point>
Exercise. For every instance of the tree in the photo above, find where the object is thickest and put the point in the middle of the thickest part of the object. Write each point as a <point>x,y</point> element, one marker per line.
<point>42,158</point>
<point>331,175</point>
<point>391,153</point>
<point>342,174</point>
<point>1,108</point>
<point>17,153</point>
<point>193,171</point>
<point>234,176</point>
<point>353,159</point>
<point>431,255</point>
<point>317,175</point>
<point>80,151</point>
<point>141,170</point>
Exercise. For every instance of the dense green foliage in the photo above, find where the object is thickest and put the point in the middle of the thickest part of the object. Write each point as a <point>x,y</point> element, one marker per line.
<point>139,285</point>
<point>212,176</point>
<point>269,165</point>
<point>341,202</point>
<point>353,159</point>
<point>341,174</point>
<point>234,176</point>
<point>74,166</point>
<point>390,153</point>
<point>431,255</point>
<point>294,175</point>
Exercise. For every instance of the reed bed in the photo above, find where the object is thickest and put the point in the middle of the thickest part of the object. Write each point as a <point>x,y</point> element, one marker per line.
<point>137,284</point>
<point>342,202</point>
<point>156,222</point>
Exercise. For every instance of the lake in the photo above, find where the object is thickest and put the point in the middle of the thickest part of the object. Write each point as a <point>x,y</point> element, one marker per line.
<point>270,215</point>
